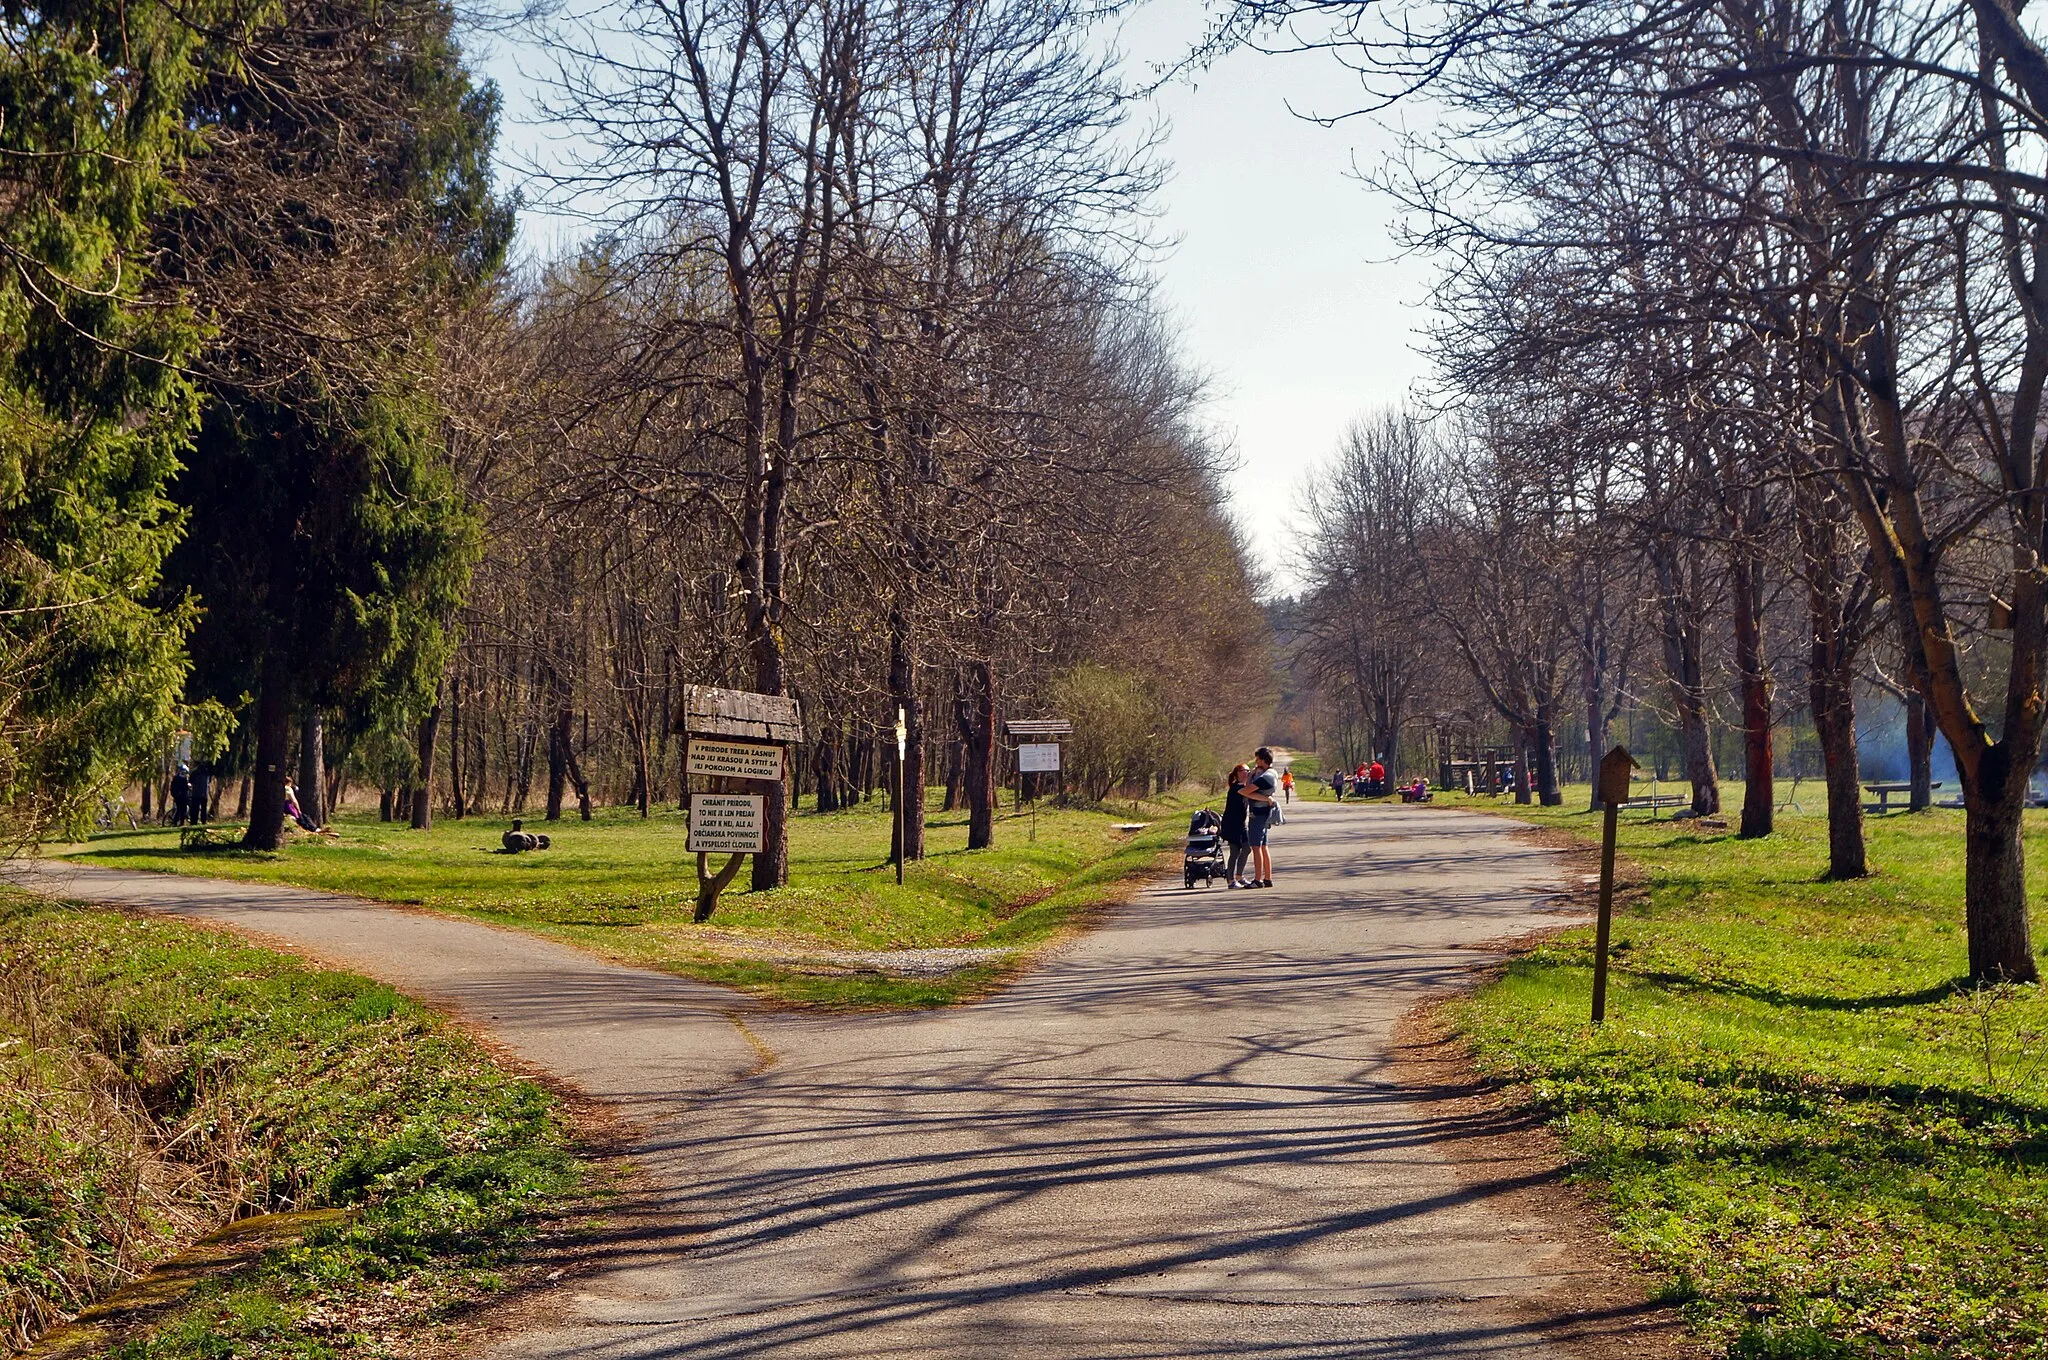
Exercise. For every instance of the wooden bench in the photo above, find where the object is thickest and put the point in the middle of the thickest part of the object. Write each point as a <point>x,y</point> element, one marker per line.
<point>1885,790</point>
<point>1654,803</point>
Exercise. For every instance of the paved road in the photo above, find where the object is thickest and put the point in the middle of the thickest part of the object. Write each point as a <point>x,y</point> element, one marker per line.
<point>1175,1138</point>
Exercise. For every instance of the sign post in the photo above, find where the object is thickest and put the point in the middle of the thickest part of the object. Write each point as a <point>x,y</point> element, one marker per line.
<point>1037,757</point>
<point>732,736</point>
<point>1615,768</point>
<point>902,749</point>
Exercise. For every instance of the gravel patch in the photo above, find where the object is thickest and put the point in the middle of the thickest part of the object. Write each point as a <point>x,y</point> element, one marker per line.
<point>928,963</point>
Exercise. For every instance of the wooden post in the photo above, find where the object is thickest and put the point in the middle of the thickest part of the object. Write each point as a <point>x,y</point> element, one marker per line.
<point>902,822</point>
<point>1614,773</point>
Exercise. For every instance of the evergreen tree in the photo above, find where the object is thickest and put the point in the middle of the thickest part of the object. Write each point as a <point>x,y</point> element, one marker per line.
<point>94,405</point>
<point>347,205</point>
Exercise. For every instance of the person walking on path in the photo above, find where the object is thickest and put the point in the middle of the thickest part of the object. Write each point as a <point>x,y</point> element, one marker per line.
<point>1287,783</point>
<point>1262,793</point>
<point>1236,810</point>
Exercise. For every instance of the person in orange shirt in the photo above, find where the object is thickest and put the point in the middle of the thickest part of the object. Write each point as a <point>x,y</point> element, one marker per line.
<point>1287,783</point>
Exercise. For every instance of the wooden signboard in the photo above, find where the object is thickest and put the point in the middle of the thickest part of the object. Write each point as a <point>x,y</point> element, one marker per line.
<point>712,712</point>
<point>733,759</point>
<point>1038,757</point>
<point>725,823</point>
<point>731,735</point>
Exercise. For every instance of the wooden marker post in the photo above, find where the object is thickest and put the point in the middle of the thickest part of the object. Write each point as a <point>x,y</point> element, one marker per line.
<point>902,750</point>
<point>1615,768</point>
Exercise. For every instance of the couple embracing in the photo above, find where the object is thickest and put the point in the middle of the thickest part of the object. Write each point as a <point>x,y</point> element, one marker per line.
<point>1250,808</point>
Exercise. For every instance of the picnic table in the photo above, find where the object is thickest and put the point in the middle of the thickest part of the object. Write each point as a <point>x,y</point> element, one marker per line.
<point>1653,802</point>
<point>1884,791</point>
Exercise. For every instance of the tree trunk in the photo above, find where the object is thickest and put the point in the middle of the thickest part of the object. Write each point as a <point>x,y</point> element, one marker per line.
<point>643,773</point>
<point>1544,741</point>
<point>1834,722</point>
<point>824,769</point>
<point>1596,728</point>
<point>1684,671</point>
<point>1995,872</point>
<point>1525,741</point>
<point>976,715</point>
<point>387,803</point>
<point>1759,792</point>
<point>1386,729</point>
<point>455,753</point>
<point>563,767</point>
<point>1696,748</point>
<point>423,791</point>
<point>558,762</point>
<point>1920,733</point>
<point>764,626</point>
<point>953,759</point>
<point>241,797</point>
<point>312,767</point>
<point>273,743</point>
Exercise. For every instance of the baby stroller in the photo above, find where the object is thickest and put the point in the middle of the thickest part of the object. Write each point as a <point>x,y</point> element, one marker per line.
<point>1204,856</point>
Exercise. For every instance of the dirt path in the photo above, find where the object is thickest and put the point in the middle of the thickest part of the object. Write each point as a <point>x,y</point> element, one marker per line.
<point>1176,1137</point>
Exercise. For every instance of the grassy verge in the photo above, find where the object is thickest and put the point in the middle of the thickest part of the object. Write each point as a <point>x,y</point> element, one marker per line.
<point>624,888</point>
<point>1827,1145</point>
<point>158,1080</point>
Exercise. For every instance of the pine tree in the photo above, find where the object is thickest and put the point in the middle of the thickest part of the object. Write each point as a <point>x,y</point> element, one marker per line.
<point>95,406</point>
<point>346,204</point>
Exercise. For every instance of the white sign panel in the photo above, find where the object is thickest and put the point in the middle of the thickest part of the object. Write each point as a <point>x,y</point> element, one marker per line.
<point>725,823</point>
<point>1038,757</point>
<point>734,759</point>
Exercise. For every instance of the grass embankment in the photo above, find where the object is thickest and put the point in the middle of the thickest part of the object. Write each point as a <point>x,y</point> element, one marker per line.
<point>625,888</point>
<point>158,1080</point>
<point>1825,1141</point>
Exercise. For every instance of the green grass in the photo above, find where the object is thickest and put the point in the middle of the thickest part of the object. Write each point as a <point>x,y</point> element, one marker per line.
<point>625,888</point>
<point>1827,1145</point>
<point>158,1079</point>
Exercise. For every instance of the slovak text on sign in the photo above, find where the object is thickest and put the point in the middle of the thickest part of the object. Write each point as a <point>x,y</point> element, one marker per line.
<point>1038,757</point>
<point>725,823</point>
<point>734,759</point>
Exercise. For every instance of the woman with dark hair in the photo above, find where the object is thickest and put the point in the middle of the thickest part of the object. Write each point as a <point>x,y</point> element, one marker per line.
<point>1235,811</point>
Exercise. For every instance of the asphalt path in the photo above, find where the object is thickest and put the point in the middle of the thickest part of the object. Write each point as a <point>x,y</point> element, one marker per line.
<point>1179,1136</point>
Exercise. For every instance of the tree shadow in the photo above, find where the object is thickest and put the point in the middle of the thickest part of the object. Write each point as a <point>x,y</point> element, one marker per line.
<point>1775,996</point>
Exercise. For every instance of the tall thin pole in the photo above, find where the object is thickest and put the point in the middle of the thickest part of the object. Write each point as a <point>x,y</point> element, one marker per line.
<point>902,744</point>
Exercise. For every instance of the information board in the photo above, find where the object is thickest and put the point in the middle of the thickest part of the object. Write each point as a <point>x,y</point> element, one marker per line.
<point>728,823</point>
<point>734,759</point>
<point>1038,757</point>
